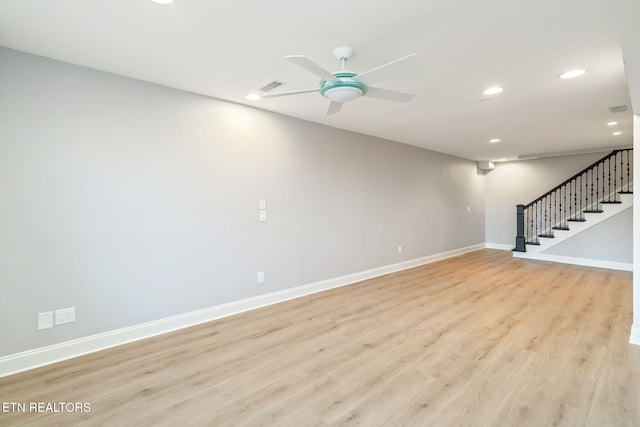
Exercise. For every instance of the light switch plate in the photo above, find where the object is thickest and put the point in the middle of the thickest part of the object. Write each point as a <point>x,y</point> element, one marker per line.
<point>45,320</point>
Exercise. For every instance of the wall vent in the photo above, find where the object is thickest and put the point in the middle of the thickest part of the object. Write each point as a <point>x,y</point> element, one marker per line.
<point>274,84</point>
<point>618,109</point>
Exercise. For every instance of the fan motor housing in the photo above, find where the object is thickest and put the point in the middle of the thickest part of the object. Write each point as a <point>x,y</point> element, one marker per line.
<point>344,89</point>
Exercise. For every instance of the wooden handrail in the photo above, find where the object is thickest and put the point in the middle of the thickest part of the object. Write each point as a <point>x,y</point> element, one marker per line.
<point>584,171</point>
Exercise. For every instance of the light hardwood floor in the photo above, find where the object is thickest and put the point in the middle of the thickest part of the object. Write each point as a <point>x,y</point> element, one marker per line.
<point>481,339</point>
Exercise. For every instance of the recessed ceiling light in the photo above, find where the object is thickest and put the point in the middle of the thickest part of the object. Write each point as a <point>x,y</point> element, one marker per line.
<point>494,140</point>
<point>612,123</point>
<point>572,74</point>
<point>493,90</point>
<point>617,133</point>
<point>162,1</point>
<point>253,97</point>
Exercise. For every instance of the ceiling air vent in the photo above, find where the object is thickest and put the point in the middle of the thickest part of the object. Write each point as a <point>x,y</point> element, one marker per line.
<point>618,109</point>
<point>274,84</point>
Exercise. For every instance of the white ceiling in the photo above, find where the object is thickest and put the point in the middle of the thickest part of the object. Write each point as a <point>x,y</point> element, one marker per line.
<point>226,49</point>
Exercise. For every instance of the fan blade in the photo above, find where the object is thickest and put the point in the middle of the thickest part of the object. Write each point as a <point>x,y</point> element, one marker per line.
<point>304,62</point>
<point>294,92</point>
<point>392,69</point>
<point>334,107</point>
<point>389,95</point>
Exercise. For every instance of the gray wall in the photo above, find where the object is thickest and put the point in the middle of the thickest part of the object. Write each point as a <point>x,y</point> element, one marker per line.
<point>609,240</point>
<point>134,202</point>
<point>513,183</point>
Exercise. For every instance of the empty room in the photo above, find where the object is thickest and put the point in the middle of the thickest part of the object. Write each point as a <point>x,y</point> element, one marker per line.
<point>293,214</point>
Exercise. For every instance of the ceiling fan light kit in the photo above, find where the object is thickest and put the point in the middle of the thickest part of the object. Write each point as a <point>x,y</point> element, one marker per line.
<point>343,85</point>
<point>343,90</point>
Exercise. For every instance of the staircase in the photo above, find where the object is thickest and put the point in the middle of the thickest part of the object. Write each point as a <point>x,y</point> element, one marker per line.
<point>594,194</point>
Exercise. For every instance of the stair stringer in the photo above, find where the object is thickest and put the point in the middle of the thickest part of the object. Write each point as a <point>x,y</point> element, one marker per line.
<point>592,219</point>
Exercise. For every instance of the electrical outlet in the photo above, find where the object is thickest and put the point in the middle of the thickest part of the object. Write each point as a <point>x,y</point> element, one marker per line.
<point>260,276</point>
<point>263,215</point>
<point>65,315</point>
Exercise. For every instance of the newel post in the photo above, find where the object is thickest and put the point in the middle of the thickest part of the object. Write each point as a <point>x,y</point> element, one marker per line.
<point>520,239</point>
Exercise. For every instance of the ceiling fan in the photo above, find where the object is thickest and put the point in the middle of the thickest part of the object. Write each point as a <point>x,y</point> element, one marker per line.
<point>343,85</point>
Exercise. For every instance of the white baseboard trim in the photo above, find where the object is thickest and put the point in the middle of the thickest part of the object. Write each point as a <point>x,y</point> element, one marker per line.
<point>500,246</point>
<point>635,335</point>
<point>30,359</point>
<point>612,265</point>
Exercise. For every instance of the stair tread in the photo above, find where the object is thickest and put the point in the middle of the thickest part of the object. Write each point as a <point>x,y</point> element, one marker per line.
<point>593,211</point>
<point>561,228</point>
<point>576,219</point>
<point>548,236</point>
<point>533,243</point>
<point>610,202</point>
<point>625,192</point>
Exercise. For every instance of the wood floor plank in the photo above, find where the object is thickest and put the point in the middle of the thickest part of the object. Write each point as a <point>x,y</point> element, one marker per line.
<point>481,339</point>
